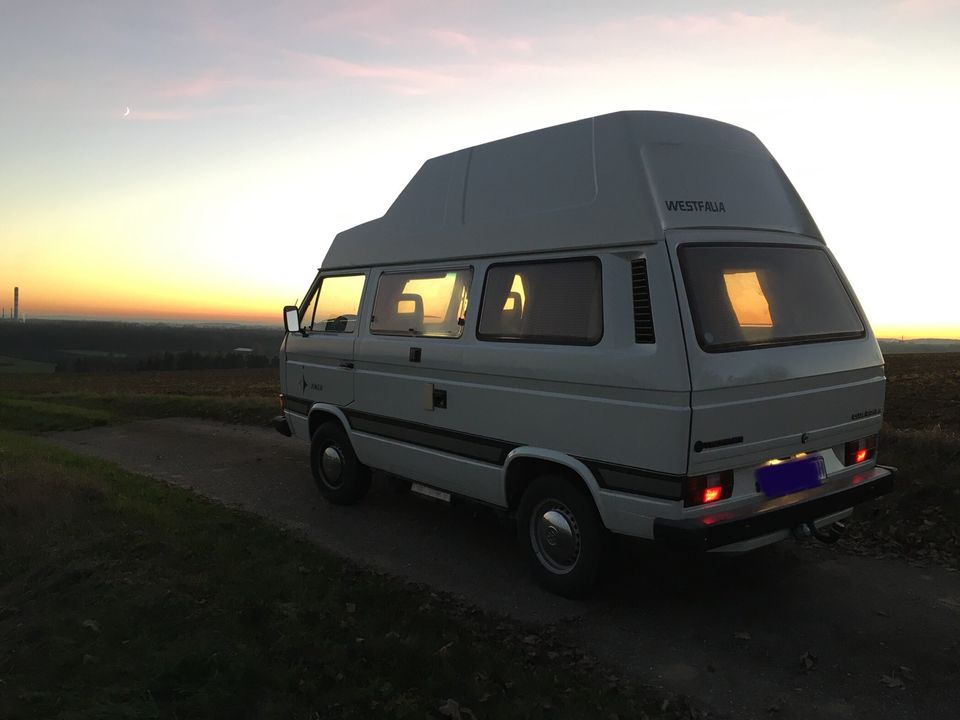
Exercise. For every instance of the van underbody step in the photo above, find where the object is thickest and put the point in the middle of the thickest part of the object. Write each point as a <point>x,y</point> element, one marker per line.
<point>430,492</point>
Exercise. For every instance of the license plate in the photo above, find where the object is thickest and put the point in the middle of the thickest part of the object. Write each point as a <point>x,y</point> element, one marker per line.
<point>790,477</point>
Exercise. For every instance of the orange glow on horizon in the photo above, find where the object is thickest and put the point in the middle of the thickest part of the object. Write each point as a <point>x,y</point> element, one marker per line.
<point>917,332</point>
<point>224,304</point>
<point>189,304</point>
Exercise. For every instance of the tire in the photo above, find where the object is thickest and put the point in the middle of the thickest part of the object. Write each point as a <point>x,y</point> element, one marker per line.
<point>341,477</point>
<point>562,535</point>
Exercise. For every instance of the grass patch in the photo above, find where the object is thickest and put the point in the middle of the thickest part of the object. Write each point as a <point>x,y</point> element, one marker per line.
<point>920,519</point>
<point>12,366</point>
<point>130,406</point>
<point>39,403</point>
<point>124,597</point>
<point>42,415</point>
<point>75,412</point>
<point>261,382</point>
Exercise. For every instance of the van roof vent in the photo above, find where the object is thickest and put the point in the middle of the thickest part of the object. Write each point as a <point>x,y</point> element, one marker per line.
<point>642,314</point>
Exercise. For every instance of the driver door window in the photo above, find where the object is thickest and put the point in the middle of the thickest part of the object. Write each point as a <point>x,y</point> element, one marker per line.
<point>336,304</point>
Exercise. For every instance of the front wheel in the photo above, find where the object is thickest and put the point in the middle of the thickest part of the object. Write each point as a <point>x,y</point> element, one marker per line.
<point>341,477</point>
<point>562,535</point>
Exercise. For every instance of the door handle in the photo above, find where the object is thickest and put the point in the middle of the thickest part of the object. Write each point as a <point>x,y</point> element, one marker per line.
<point>346,365</point>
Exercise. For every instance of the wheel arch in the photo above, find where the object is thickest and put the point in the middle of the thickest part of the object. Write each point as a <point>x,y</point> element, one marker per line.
<point>523,464</point>
<point>321,413</point>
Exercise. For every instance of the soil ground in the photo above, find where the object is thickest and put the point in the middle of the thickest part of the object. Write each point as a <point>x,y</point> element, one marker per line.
<point>923,392</point>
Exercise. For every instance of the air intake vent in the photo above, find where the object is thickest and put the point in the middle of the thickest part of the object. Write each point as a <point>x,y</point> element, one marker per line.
<point>642,314</point>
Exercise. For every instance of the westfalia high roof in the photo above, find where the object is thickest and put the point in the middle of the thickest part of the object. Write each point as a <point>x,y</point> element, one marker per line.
<point>612,180</point>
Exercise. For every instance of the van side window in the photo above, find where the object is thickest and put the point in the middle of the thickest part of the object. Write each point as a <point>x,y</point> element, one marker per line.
<point>337,303</point>
<point>427,303</point>
<point>550,301</point>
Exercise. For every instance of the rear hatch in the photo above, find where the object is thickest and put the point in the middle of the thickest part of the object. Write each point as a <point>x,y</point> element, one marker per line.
<point>782,360</point>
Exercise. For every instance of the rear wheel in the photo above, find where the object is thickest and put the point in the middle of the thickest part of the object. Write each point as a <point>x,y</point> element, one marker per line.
<point>341,477</point>
<point>562,535</point>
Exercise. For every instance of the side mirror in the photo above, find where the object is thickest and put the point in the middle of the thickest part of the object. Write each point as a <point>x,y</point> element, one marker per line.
<point>291,318</point>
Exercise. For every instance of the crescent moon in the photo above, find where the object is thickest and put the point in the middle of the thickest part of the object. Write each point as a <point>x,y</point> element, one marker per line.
<point>127,111</point>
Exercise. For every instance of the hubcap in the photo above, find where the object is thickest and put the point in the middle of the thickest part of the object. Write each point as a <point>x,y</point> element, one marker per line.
<point>555,536</point>
<point>331,465</point>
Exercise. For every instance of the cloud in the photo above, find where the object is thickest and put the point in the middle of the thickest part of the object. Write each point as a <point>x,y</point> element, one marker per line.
<point>926,7</point>
<point>455,39</point>
<point>400,78</point>
<point>199,86</point>
<point>739,30</point>
<point>215,60</point>
<point>392,49</point>
<point>152,115</point>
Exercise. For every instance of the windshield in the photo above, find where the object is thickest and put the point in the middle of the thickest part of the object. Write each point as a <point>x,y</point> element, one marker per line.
<point>744,296</point>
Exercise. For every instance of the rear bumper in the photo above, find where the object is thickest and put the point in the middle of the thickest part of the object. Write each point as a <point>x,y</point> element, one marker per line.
<point>713,531</point>
<point>281,425</point>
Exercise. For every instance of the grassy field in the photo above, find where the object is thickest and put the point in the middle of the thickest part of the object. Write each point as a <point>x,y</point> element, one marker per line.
<point>920,520</point>
<point>124,597</point>
<point>9,365</point>
<point>923,392</point>
<point>262,383</point>
<point>35,403</point>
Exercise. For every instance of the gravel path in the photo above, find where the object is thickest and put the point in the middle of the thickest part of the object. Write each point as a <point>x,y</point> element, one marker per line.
<point>787,632</point>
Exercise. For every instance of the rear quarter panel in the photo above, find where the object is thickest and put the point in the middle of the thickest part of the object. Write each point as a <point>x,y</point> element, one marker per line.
<point>778,400</point>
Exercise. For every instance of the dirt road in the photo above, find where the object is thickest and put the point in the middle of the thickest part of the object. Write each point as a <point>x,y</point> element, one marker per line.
<point>788,632</point>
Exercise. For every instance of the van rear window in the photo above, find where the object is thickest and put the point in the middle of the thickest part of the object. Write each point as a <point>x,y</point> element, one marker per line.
<point>744,296</point>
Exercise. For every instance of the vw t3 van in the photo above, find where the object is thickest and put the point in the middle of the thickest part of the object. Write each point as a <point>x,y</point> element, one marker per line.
<point>628,324</point>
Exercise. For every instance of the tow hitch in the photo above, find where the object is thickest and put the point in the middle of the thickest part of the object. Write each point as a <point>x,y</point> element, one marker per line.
<point>828,535</point>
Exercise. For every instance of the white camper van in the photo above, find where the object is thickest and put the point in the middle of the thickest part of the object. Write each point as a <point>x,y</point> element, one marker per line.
<point>628,324</point>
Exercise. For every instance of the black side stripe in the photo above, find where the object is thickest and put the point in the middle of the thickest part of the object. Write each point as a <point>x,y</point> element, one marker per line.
<point>490,450</point>
<point>297,405</point>
<point>475,447</point>
<point>636,481</point>
<point>700,445</point>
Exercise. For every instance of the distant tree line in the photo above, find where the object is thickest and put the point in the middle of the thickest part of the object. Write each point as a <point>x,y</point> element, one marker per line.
<point>190,360</point>
<point>186,360</point>
<point>97,346</point>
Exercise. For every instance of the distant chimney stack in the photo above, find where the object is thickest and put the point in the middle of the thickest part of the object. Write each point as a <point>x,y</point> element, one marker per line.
<point>16,304</point>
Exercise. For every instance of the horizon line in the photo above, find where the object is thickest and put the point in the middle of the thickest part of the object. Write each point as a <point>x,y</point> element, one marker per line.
<point>899,337</point>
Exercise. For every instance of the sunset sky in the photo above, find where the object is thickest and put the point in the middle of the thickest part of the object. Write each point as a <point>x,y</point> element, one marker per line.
<point>257,130</point>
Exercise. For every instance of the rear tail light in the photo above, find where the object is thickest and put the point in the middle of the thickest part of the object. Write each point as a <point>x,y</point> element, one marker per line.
<point>712,494</point>
<point>705,489</point>
<point>858,451</point>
